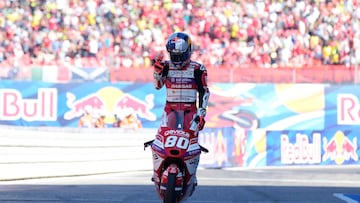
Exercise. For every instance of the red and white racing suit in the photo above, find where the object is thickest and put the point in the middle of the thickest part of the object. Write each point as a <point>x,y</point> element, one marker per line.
<point>184,86</point>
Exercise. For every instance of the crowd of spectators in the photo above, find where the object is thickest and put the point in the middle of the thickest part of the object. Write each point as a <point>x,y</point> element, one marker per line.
<point>127,33</point>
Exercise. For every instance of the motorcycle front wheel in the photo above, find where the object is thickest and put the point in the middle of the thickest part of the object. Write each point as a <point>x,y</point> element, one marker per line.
<point>170,194</point>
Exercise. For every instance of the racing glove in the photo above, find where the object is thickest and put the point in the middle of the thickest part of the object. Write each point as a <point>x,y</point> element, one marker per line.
<point>197,123</point>
<point>158,64</point>
<point>201,123</point>
<point>201,112</point>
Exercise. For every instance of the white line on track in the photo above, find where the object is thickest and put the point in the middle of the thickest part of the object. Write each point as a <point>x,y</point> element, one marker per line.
<point>282,180</point>
<point>343,197</point>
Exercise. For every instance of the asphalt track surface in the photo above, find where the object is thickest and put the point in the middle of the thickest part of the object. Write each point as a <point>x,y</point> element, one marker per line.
<point>269,185</point>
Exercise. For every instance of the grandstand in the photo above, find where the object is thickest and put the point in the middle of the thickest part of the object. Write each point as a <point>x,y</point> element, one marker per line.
<point>238,41</point>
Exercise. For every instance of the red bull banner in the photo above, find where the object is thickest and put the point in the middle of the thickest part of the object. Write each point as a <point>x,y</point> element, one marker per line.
<point>267,106</point>
<point>328,147</point>
<point>255,148</point>
<point>247,106</point>
<point>233,147</point>
<point>51,104</point>
<point>226,147</point>
<point>343,106</point>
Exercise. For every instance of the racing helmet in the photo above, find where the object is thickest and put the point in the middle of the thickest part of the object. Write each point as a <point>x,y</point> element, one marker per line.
<point>179,47</point>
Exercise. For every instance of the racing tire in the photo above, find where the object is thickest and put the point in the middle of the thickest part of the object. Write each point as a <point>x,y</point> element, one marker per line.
<point>170,193</point>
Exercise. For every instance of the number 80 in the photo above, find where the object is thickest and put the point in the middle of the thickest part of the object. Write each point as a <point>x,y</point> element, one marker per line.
<point>179,142</point>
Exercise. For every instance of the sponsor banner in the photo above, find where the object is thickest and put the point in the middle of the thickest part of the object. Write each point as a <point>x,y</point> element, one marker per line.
<point>49,104</point>
<point>246,106</point>
<point>220,143</point>
<point>255,148</point>
<point>340,147</point>
<point>342,107</point>
<point>232,147</point>
<point>267,106</point>
<point>330,147</point>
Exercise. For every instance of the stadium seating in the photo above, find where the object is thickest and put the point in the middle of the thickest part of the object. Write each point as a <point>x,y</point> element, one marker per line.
<point>230,37</point>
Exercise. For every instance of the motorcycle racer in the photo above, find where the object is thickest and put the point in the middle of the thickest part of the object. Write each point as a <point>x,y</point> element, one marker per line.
<point>185,80</point>
<point>186,87</point>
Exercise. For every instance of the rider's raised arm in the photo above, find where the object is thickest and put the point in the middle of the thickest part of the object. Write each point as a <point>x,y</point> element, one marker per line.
<point>161,69</point>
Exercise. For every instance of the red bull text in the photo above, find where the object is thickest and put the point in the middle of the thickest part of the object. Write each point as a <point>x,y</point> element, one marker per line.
<point>43,108</point>
<point>302,151</point>
<point>348,109</point>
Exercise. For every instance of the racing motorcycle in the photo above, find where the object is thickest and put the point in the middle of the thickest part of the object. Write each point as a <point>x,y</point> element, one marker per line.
<point>175,154</point>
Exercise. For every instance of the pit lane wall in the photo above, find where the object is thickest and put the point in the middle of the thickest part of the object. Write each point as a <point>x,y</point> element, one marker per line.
<point>248,125</point>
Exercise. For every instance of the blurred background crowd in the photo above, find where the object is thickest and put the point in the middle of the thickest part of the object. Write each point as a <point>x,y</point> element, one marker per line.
<point>226,34</point>
<point>122,118</point>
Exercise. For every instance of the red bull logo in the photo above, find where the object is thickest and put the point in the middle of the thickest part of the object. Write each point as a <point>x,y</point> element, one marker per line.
<point>141,108</point>
<point>340,148</point>
<point>110,99</point>
<point>77,107</point>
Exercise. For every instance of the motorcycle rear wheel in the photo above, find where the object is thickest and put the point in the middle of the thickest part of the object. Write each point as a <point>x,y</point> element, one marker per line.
<point>170,194</point>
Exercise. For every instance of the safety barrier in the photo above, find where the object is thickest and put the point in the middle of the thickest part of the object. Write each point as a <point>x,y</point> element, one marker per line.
<point>250,73</point>
<point>29,153</point>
